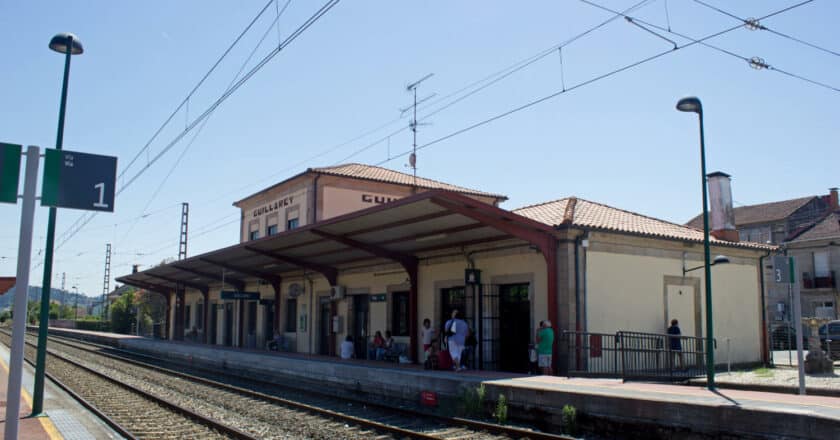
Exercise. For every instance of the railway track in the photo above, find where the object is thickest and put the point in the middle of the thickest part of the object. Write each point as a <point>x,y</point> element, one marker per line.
<point>130,411</point>
<point>256,407</point>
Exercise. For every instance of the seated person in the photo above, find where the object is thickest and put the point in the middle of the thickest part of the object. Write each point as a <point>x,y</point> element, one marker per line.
<point>377,349</point>
<point>431,362</point>
<point>346,350</point>
<point>275,343</point>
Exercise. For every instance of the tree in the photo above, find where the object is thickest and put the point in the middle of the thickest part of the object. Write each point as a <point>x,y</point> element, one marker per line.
<point>123,315</point>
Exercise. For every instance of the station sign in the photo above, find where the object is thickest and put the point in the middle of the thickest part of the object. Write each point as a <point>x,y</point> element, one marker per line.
<point>9,172</point>
<point>379,297</point>
<point>238,294</point>
<point>78,180</point>
<point>472,277</point>
<point>782,272</point>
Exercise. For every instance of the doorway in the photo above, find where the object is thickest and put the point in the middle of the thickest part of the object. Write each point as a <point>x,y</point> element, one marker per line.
<point>361,315</point>
<point>324,325</point>
<point>214,323</point>
<point>453,298</point>
<point>251,339</point>
<point>514,327</point>
<point>228,336</point>
<point>268,325</point>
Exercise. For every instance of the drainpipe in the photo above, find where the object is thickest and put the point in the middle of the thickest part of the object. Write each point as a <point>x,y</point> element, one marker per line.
<point>764,351</point>
<point>310,317</point>
<point>314,217</point>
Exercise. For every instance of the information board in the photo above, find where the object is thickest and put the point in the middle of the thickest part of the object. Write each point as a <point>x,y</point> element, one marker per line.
<point>79,180</point>
<point>9,172</point>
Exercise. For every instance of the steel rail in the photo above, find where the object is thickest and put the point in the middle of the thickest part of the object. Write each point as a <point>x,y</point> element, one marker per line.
<point>514,432</point>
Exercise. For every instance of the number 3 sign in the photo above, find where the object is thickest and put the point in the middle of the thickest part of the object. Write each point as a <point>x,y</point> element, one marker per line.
<point>79,180</point>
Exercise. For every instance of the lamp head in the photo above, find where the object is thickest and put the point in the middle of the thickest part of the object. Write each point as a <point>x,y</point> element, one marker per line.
<point>690,104</point>
<point>721,259</point>
<point>64,41</point>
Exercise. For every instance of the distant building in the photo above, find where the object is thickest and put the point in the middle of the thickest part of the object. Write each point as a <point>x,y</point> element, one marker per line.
<point>807,227</point>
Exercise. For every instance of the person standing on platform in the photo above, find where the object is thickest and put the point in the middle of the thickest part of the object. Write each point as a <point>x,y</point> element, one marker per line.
<point>456,335</point>
<point>545,347</point>
<point>378,350</point>
<point>427,333</point>
<point>347,348</point>
<point>675,342</point>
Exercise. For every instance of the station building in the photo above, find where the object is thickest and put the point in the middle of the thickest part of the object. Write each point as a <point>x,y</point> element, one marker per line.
<point>354,249</point>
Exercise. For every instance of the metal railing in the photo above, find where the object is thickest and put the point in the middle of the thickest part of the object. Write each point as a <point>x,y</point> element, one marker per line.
<point>634,355</point>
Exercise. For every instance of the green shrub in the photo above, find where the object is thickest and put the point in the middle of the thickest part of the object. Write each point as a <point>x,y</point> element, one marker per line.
<point>501,413</point>
<point>472,400</point>
<point>568,419</point>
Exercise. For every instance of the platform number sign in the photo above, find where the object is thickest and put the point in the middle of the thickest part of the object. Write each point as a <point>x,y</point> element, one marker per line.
<point>79,180</point>
<point>782,269</point>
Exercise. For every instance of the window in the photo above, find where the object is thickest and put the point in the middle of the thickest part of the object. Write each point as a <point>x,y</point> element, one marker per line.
<point>272,222</point>
<point>399,313</point>
<point>291,223</point>
<point>291,315</point>
<point>271,230</point>
<point>821,264</point>
<point>254,230</point>
<point>292,217</point>
<point>253,235</point>
<point>187,317</point>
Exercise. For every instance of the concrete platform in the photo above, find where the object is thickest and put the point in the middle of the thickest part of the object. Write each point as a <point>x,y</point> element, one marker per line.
<point>64,418</point>
<point>653,410</point>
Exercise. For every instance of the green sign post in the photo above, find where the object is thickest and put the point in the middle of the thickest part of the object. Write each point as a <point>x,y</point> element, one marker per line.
<point>9,172</point>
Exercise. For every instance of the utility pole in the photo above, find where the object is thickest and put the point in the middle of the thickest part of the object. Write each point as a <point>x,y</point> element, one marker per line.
<point>106,284</point>
<point>185,215</point>
<point>412,159</point>
<point>63,279</point>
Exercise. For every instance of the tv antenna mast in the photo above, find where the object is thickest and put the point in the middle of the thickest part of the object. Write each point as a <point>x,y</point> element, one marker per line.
<point>412,159</point>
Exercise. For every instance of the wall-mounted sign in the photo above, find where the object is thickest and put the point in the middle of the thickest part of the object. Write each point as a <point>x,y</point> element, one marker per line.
<point>472,276</point>
<point>781,269</point>
<point>338,201</point>
<point>78,180</point>
<point>273,206</point>
<point>379,297</point>
<point>9,172</point>
<point>236,294</point>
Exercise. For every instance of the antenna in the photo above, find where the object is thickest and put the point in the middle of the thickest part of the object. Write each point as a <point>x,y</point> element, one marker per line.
<point>412,160</point>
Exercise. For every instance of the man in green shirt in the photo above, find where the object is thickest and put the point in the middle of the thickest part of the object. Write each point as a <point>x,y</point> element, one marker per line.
<point>545,347</point>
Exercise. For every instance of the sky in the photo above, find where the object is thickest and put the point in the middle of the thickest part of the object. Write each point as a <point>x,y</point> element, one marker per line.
<point>334,95</point>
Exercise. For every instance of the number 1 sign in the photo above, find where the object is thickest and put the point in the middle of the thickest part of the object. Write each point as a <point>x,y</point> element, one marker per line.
<point>79,180</point>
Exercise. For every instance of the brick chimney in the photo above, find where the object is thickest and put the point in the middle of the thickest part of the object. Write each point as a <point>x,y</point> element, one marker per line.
<point>722,225</point>
<point>833,204</point>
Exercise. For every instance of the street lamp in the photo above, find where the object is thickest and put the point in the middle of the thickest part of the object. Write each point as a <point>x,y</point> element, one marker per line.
<point>67,44</point>
<point>692,104</point>
<point>720,259</point>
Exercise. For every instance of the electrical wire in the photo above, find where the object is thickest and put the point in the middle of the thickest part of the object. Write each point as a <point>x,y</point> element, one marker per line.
<point>581,84</point>
<point>755,62</point>
<point>293,36</point>
<point>755,24</point>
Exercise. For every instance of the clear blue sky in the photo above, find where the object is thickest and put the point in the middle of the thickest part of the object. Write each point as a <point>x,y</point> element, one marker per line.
<point>618,141</point>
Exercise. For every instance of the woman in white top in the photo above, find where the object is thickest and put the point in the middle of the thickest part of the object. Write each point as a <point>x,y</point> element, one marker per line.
<point>347,348</point>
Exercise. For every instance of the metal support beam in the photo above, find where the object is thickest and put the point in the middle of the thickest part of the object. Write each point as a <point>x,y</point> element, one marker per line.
<point>235,282</point>
<point>151,287</point>
<point>272,279</point>
<point>190,284</point>
<point>409,262</point>
<point>329,272</point>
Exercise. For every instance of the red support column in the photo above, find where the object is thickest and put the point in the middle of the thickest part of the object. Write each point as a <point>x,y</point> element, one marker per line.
<point>206,311</point>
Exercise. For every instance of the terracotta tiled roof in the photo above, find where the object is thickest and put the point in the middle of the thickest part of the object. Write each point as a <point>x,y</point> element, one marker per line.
<point>761,213</point>
<point>6,283</point>
<point>573,211</point>
<point>828,227</point>
<point>379,174</point>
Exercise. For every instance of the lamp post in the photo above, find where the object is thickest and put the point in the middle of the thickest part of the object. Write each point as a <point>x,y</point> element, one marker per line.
<point>692,104</point>
<point>67,44</point>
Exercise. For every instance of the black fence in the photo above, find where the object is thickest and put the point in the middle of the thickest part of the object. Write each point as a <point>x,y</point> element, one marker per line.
<point>634,355</point>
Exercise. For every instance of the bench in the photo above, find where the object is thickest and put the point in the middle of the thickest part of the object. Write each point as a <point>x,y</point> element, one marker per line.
<point>393,355</point>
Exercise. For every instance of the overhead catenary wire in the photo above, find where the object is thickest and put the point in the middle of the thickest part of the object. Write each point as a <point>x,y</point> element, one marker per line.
<point>289,39</point>
<point>755,24</point>
<point>581,84</point>
<point>755,62</point>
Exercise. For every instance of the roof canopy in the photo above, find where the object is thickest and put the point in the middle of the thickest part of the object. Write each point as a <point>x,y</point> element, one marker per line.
<point>400,231</point>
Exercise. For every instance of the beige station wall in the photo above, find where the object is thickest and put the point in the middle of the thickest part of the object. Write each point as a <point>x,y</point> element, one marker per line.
<point>625,292</point>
